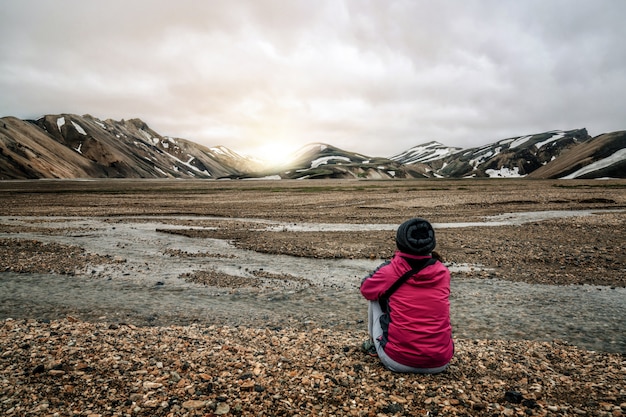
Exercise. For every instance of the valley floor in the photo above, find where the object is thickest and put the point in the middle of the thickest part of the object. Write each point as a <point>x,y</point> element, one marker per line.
<point>75,367</point>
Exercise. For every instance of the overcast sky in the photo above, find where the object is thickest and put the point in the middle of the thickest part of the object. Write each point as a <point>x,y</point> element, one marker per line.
<point>376,77</point>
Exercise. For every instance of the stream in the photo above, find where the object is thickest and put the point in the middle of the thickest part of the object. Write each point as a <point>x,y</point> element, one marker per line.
<point>146,288</point>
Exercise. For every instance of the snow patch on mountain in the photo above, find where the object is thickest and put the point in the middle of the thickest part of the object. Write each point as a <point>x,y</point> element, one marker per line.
<point>325,159</point>
<point>187,164</point>
<point>519,142</point>
<point>79,128</point>
<point>554,138</point>
<point>425,153</point>
<point>614,158</point>
<point>504,172</point>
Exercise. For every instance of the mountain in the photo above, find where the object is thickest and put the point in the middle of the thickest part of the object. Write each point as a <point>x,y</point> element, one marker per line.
<point>603,156</point>
<point>71,146</point>
<point>554,154</point>
<point>512,157</point>
<point>530,155</point>
<point>425,153</point>
<point>320,160</point>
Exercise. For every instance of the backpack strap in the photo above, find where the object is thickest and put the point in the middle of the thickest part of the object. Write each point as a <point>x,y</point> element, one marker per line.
<point>423,263</point>
<point>385,318</point>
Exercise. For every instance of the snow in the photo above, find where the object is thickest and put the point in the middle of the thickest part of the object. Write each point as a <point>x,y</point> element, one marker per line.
<point>269,177</point>
<point>79,149</point>
<point>99,123</point>
<point>312,147</point>
<point>602,163</point>
<point>480,158</point>
<point>218,150</point>
<point>187,164</point>
<point>325,159</point>
<point>519,141</point>
<point>221,150</point>
<point>392,173</point>
<point>425,153</point>
<point>60,122</point>
<point>79,128</point>
<point>146,134</point>
<point>434,155</point>
<point>504,172</point>
<point>554,138</point>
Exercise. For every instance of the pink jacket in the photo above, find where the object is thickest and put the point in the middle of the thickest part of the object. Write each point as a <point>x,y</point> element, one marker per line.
<point>420,334</point>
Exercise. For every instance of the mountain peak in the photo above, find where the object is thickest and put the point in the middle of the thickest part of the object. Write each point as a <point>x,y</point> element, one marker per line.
<point>425,153</point>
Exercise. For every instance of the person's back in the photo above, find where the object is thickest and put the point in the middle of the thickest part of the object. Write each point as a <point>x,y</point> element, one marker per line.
<point>416,335</point>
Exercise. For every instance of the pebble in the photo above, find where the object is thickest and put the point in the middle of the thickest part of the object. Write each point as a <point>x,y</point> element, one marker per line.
<point>200,370</point>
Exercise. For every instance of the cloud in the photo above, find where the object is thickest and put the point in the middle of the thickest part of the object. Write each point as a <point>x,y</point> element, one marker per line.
<point>372,76</point>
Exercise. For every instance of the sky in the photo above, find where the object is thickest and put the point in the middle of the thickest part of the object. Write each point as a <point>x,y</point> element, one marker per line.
<point>265,77</point>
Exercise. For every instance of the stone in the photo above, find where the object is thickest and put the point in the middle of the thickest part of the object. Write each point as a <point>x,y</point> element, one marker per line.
<point>221,409</point>
<point>194,404</point>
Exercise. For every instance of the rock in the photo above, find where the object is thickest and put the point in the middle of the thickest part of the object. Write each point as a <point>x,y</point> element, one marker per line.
<point>398,399</point>
<point>194,404</point>
<point>151,385</point>
<point>514,397</point>
<point>38,369</point>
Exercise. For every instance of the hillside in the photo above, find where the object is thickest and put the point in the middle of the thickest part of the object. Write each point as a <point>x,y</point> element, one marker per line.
<point>604,156</point>
<point>71,146</point>
<point>512,157</point>
<point>319,160</point>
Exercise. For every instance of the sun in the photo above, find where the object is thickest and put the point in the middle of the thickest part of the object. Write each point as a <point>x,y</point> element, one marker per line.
<point>274,154</point>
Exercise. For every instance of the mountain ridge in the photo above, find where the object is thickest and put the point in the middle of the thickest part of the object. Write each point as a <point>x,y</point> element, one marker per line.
<point>72,146</point>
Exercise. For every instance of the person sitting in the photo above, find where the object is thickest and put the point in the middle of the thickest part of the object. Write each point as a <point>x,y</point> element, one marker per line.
<point>409,308</point>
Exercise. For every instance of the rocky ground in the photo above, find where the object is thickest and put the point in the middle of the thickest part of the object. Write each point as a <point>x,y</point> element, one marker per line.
<point>69,367</point>
<point>72,368</point>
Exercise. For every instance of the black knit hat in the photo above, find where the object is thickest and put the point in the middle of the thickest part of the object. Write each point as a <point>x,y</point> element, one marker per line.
<point>416,236</point>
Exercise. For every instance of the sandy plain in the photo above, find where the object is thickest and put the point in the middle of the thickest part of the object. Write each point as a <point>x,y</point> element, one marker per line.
<point>73,367</point>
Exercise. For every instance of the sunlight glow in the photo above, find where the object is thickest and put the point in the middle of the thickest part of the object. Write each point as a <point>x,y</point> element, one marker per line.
<point>274,153</point>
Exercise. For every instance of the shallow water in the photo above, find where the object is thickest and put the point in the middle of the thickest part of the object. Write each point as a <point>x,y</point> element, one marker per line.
<point>146,289</point>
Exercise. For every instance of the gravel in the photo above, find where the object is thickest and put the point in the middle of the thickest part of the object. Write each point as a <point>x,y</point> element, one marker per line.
<point>68,367</point>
